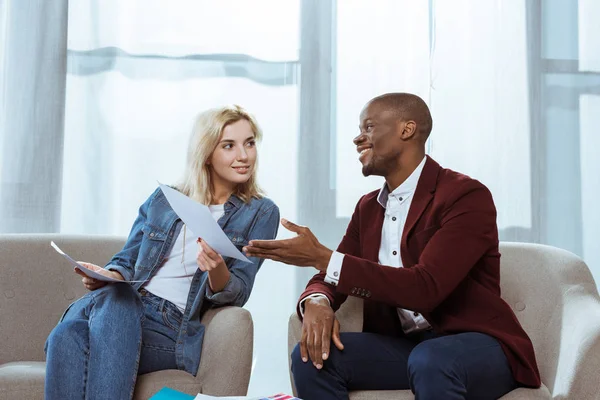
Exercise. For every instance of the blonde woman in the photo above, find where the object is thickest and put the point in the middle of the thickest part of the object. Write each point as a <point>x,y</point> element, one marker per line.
<point>117,331</point>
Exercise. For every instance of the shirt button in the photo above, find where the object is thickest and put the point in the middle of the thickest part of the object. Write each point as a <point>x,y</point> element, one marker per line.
<point>416,314</point>
<point>335,274</point>
<point>394,252</point>
<point>400,198</point>
<point>152,234</point>
<point>393,218</point>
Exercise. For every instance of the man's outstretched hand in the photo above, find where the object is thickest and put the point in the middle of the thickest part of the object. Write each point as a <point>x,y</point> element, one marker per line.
<point>303,250</point>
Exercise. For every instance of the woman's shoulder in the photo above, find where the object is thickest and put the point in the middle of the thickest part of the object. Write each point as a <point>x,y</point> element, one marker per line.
<point>157,193</point>
<point>156,197</point>
<point>263,204</point>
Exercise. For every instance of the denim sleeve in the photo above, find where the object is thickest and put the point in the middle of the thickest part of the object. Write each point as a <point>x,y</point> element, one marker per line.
<point>237,290</point>
<point>124,261</point>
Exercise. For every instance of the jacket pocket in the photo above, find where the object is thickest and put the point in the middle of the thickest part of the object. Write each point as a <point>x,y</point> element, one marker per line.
<point>237,238</point>
<point>153,233</point>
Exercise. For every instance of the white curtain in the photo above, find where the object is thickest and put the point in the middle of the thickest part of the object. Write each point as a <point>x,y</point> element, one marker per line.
<point>514,88</point>
<point>32,99</point>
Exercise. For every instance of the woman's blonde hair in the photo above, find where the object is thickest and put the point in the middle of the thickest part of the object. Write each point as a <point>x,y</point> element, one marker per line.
<point>205,137</point>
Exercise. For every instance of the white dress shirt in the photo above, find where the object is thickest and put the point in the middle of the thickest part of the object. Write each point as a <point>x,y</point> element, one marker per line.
<point>396,204</point>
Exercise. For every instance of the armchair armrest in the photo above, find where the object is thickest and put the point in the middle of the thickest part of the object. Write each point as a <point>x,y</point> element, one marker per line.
<point>226,360</point>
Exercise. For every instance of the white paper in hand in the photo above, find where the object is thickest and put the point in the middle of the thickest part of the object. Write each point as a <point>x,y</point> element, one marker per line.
<point>86,271</point>
<point>200,221</point>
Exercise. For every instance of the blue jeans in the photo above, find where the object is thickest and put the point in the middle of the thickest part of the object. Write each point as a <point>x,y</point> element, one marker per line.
<point>461,366</point>
<point>105,339</point>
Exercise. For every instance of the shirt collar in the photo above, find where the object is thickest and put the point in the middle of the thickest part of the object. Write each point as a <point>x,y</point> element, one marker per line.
<point>407,187</point>
<point>235,201</point>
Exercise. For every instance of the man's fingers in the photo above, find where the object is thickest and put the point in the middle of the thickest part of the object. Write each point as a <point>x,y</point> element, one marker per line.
<point>290,226</point>
<point>317,347</point>
<point>303,349</point>
<point>269,244</point>
<point>336,335</point>
<point>310,344</point>
<point>267,255</point>
<point>325,342</point>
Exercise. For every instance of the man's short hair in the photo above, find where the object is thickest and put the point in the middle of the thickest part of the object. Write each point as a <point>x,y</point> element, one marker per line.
<point>408,106</point>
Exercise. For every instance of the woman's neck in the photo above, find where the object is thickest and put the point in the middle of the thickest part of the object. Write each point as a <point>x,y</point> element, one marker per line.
<point>221,194</point>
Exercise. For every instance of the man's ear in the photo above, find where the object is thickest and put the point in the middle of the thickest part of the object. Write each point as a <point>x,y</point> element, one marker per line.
<point>409,130</point>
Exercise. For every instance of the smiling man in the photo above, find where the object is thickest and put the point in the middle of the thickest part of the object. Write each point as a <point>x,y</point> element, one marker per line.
<point>423,254</point>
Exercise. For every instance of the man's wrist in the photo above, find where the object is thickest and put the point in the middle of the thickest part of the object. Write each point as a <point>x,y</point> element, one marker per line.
<point>323,261</point>
<point>316,301</point>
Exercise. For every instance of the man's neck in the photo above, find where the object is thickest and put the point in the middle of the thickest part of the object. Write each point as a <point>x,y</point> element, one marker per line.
<point>404,169</point>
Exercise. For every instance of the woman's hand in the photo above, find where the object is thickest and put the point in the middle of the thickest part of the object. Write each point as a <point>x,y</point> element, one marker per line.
<point>207,258</point>
<point>93,284</point>
<point>212,262</point>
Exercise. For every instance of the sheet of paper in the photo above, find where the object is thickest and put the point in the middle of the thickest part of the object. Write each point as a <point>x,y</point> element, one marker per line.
<point>86,271</point>
<point>200,221</point>
<point>280,396</point>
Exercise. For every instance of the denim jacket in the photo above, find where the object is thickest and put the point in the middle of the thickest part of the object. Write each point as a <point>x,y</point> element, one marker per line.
<point>149,244</point>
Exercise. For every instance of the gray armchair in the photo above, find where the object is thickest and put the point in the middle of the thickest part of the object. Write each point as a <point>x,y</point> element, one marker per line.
<point>556,300</point>
<point>37,285</point>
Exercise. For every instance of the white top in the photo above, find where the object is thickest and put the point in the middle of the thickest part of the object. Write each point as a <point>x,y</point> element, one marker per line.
<point>396,204</point>
<point>173,279</point>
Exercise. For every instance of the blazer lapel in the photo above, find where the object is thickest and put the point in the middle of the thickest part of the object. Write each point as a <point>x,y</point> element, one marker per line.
<point>423,195</point>
<point>372,231</point>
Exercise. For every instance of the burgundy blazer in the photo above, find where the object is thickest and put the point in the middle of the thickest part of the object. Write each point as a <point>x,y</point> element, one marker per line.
<point>451,272</point>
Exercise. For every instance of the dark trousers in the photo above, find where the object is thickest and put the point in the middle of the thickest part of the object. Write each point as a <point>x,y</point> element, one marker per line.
<point>461,366</point>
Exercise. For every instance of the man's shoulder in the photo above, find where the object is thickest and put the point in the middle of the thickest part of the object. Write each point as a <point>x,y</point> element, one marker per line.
<point>450,181</point>
<point>454,187</point>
